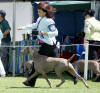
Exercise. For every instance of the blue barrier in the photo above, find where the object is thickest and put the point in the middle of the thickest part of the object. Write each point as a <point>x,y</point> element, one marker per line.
<point>19,58</point>
<point>19,49</point>
<point>26,44</point>
<point>10,61</point>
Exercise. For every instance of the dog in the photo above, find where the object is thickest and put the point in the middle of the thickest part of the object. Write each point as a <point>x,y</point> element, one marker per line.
<point>44,64</point>
<point>93,65</point>
<point>29,70</point>
<point>27,66</point>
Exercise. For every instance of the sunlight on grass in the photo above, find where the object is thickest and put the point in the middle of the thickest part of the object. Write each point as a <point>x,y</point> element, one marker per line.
<point>14,85</point>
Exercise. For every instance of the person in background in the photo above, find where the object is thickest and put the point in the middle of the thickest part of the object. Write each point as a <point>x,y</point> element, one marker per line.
<point>47,31</point>
<point>5,41</point>
<point>79,39</point>
<point>92,33</point>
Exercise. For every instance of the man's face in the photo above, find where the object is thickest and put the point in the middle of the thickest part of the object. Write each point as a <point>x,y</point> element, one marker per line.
<point>1,18</point>
<point>41,13</point>
<point>87,16</point>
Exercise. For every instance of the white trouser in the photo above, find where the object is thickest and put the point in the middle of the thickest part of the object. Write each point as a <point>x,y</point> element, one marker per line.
<point>2,70</point>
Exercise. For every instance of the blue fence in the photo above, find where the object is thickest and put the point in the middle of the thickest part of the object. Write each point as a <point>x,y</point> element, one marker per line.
<point>19,58</point>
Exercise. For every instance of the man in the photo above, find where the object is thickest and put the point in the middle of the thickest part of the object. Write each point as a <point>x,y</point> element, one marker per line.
<point>92,33</point>
<point>47,33</point>
<point>5,28</point>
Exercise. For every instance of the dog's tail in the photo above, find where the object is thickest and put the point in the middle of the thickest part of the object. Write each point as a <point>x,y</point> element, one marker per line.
<point>71,57</point>
<point>98,60</point>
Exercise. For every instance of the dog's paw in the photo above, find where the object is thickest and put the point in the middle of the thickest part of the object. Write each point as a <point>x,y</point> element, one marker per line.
<point>50,86</point>
<point>94,79</point>
<point>75,81</point>
<point>87,86</point>
<point>57,85</point>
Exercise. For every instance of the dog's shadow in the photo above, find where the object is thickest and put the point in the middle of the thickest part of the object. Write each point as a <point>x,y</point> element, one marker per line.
<point>30,87</point>
<point>66,75</point>
<point>34,88</point>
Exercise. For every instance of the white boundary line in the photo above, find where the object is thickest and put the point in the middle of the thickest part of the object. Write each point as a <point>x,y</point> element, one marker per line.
<point>40,45</point>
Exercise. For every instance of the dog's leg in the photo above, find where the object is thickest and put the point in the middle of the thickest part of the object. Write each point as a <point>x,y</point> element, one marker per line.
<point>97,72</point>
<point>62,80</point>
<point>82,79</point>
<point>60,76</point>
<point>45,76</point>
<point>94,79</point>
<point>74,78</point>
<point>72,71</point>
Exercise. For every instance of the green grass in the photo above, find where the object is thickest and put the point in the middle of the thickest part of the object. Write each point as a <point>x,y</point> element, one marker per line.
<point>14,85</point>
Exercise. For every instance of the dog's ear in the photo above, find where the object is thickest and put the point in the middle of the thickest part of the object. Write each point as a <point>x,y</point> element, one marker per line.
<point>31,49</point>
<point>24,50</point>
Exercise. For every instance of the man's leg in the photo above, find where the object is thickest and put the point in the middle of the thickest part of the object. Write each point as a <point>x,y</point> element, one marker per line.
<point>2,70</point>
<point>5,55</point>
<point>5,59</point>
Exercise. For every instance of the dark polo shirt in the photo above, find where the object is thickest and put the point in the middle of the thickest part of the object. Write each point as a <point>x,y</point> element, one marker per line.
<point>4,25</point>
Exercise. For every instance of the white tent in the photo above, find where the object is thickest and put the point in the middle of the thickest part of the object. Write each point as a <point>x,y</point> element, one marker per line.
<point>23,16</point>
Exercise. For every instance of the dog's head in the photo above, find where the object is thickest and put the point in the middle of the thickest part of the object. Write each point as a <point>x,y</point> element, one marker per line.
<point>25,51</point>
<point>29,50</point>
<point>29,65</point>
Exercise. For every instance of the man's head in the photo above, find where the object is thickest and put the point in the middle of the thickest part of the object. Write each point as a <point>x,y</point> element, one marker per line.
<point>2,15</point>
<point>89,13</point>
<point>45,9</point>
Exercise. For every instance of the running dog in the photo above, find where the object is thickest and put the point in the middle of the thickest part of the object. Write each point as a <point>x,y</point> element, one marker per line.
<point>93,65</point>
<point>29,70</point>
<point>44,64</point>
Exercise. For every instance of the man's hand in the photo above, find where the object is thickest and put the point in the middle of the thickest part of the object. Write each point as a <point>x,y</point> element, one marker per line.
<point>5,33</point>
<point>43,33</point>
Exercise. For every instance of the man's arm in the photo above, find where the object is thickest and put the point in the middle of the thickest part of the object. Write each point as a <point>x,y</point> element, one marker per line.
<point>6,33</point>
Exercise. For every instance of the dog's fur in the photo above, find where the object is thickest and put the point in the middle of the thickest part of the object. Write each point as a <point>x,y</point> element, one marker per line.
<point>92,65</point>
<point>44,64</point>
<point>27,66</point>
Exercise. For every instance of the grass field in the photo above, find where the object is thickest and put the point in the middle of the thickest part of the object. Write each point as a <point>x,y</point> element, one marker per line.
<point>14,85</point>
